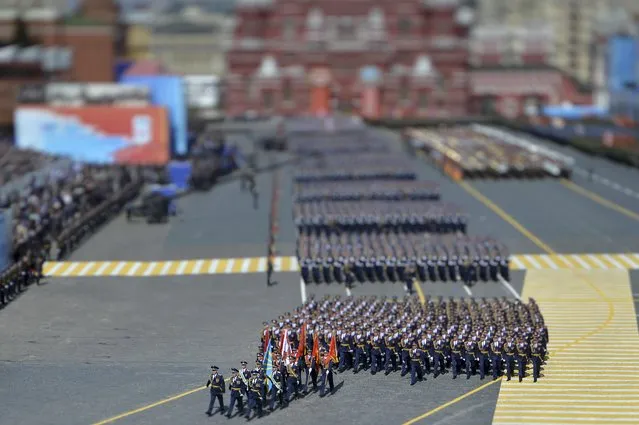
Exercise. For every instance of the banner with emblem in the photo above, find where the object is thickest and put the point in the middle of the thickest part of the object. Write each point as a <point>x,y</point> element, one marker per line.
<point>268,364</point>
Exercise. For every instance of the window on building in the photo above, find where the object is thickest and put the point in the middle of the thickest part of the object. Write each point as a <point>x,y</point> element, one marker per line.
<point>289,29</point>
<point>287,91</point>
<point>315,19</point>
<point>404,91</point>
<point>404,26</point>
<point>268,99</point>
<point>422,102</point>
<point>346,28</point>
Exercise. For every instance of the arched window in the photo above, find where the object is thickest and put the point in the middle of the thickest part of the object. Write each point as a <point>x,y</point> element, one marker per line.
<point>376,18</point>
<point>289,29</point>
<point>315,19</point>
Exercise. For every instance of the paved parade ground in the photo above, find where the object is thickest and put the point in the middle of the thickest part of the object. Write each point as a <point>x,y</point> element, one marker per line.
<point>124,331</point>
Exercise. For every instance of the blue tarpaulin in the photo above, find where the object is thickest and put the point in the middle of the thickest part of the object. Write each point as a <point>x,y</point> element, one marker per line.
<point>168,91</point>
<point>573,112</point>
<point>180,173</point>
<point>623,61</point>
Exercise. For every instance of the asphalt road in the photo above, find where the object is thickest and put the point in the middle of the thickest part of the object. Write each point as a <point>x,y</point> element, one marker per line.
<point>81,350</point>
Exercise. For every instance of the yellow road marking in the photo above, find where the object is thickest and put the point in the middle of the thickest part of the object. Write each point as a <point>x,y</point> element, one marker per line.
<point>600,200</point>
<point>420,292</point>
<point>450,403</point>
<point>505,216</point>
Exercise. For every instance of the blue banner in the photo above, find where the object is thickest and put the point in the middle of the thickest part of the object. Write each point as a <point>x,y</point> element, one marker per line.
<point>168,91</point>
<point>6,238</point>
<point>180,173</point>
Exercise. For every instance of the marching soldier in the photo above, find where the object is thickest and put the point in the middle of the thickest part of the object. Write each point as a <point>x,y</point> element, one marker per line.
<point>416,372</point>
<point>509,358</point>
<point>438,358</point>
<point>536,359</point>
<point>235,387</point>
<point>522,358</point>
<point>376,354</point>
<point>484,358</point>
<point>390,355</point>
<point>471,351</point>
<point>254,395</point>
<point>216,384</point>
<point>292,377</point>
<point>327,373</point>
<point>456,356</point>
<point>277,394</point>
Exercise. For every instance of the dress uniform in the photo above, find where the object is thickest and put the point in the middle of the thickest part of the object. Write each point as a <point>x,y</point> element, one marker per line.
<point>345,352</point>
<point>380,272</point>
<point>509,358</point>
<point>292,377</point>
<point>217,388</point>
<point>254,395</point>
<point>522,358</point>
<point>235,387</point>
<point>537,360</point>
<point>327,373</point>
<point>456,356</point>
<point>484,358</point>
<point>416,372</point>
<point>276,391</point>
<point>360,353</point>
<point>438,358</point>
<point>496,355</point>
<point>305,269</point>
<point>327,270</point>
<point>471,351</point>
<point>376,354</point>
<point>390,355</point>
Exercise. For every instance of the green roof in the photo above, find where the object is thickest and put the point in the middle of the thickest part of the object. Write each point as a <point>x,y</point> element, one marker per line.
<point>79,20</point>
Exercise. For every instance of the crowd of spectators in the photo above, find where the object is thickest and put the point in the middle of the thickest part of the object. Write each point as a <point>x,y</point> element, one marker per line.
<point>51,212</point>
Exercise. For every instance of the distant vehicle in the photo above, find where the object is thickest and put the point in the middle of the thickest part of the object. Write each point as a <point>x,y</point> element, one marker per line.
<point>156,205</point>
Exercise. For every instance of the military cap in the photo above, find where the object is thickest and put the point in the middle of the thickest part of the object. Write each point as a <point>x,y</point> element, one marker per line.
<point>234,370</point>
<point>243,363</point>
<point>215,368</point>
<point>255,372</point>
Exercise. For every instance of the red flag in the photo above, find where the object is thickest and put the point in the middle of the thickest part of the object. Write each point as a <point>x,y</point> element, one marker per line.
<point>267,338</point>
<point>315,351</point>
<point>332,350</point>
<point>301,347</point>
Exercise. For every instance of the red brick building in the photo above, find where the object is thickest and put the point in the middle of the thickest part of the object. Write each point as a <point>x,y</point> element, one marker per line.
<point>373,57</point>
<point>511,73</point>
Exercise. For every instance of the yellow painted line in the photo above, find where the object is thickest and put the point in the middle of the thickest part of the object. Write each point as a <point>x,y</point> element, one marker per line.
<point>600,200</point>
<point>128,266</point>
<point>190,265</point>
<point>505,216</point>
<point>107,268</point>
<point>237,265</point>
<point>173,268</point>
<point>420,292</point>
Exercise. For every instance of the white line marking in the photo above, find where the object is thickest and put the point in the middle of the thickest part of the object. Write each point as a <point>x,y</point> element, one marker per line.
<point>261,265</point>
<point>518,263</point>
<point>229,266</point>
<point>198,266</point>
<point>277,264</point>
<point>613,261</point>
<point>150,269</point>
<point>532,261</point>
<point>598,261</point>
<point>629,261</point>
<point>548,261</point>
<point>581,262</point>
<point>295,267</point>
<point>55,269</point>
<point>86,268</point>
<point>509,287</point>
<point>348,292</point>
<point>134,269</point>
<point>566,261</point>
<point>117,268</point>
<point>303,290</point>
<point>245,265</point>
<point>181,267</point>
<point>102,268</point>
<point>166,268</point>
<point>213,266</point>
<point>468,291</point>
<point>70,269</point>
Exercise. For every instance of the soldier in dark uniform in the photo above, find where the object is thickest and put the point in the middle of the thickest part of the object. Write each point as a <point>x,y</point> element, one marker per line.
<point>496,354</point>
<point>345,352</point>
<point>360,353</point>
<point>338,269</point>
<point>390,355</point>
<point>217,388</point>
<point>305,268</point>
<point>376,354</point>
<point>483,268</point>
<point>316,271</point>
<point>522,358</point>
<point>456,356</point>
<point>254,395</point>
<point>380,272</point>
<point>452,267</point>
<point>292,377</point>
<point>358,269</point>
<point>416,372</point>
<point>326,373</point>
<point>537,359</point>
<point>493,266</point>
<point>509,358</point>
<point>421,268</point>
<point>391,271</point>
<point>235,387</point>
<point>442,262</point>
<point>327,270</point>
<point>369,268</point>
<point>405,355</point>
<point>277,394</point>
<point>438,358</point>
<point>432,269</point>
<point>471,351</point>
<point>484,358</point>
<point>504,269</point>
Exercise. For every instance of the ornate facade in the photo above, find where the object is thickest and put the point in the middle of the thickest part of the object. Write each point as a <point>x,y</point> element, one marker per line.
<point>378,58</point>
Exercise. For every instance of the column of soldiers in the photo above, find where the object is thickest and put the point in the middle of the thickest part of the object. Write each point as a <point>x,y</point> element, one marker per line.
<point>486,337</point>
